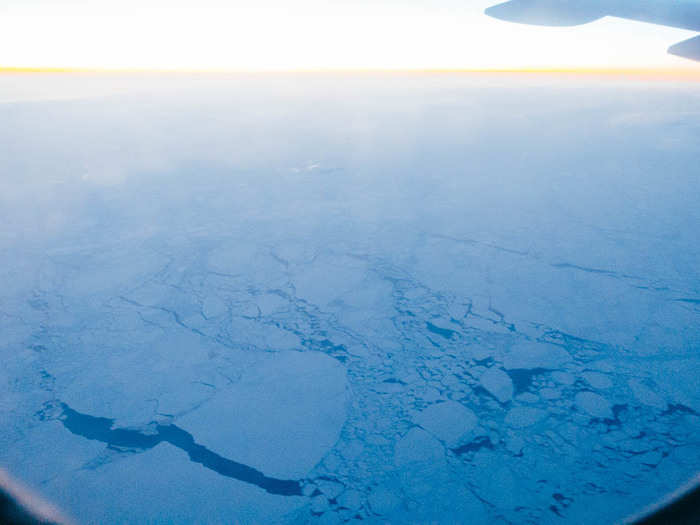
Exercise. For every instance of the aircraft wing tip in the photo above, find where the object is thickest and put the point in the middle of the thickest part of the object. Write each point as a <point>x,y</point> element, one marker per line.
<point>689,49</point>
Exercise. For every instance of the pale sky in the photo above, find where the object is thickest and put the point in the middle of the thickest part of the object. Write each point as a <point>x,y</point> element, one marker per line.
<point>313,34</point>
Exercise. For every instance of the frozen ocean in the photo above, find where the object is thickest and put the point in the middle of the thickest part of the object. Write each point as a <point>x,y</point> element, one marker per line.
<point>387,298</point>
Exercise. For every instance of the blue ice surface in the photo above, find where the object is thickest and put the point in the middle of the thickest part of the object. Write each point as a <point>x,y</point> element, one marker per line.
<point>325,299</point>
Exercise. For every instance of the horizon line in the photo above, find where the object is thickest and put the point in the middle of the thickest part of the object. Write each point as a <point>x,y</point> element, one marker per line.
<point>687,73</point>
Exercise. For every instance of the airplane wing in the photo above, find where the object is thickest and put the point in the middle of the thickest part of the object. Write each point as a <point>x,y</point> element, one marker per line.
<point>687,49</point>
<point>684,14</point>
<point>546,13</point>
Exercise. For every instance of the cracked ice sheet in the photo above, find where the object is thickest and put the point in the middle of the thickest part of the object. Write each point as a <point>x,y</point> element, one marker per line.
<point>167,378</point>
<point>282,416</point>
<point>416,263</point>
<point>163,486</point>
<point>156,377</point>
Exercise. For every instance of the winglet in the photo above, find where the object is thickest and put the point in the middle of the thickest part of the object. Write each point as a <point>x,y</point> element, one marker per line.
<point>546,12</point>
<point>687,49</point>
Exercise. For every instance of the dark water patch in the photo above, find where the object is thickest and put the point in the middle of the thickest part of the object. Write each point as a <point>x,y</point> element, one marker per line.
<point>654,288</point>
<point>327,344</point>
<point>442,332</point>
<point>100,429</point>
<point>585,269</point>
<point>618,410</point>
<point>578,345</point>
<point>561,499</point>
<point>688,300</point>
<point>555,510</point>
<point>522,378</point>
<point>405,311</point>
<point>336,351</point>
<point>474,445</point>
<point>612,423</point>
<point>678,409</point>
<point>482,392</point>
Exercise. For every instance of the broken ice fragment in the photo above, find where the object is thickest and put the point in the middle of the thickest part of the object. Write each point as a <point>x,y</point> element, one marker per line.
<point>594,405</point>
<point>448,421</point>
<point>417,446</point>
<point>498,384</point>
<point>331,489</point>
<point>550,393</point>
<point>564,378</point>
<point>646,395</point>
<point>597,380</point>
<point>521,417</point>
<point>350,499</point>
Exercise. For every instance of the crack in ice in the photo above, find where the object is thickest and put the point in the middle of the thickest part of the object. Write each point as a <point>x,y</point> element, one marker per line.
<point>101,429</point>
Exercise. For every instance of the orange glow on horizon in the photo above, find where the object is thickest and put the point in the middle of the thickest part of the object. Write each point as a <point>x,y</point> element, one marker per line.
<point>684,73</point>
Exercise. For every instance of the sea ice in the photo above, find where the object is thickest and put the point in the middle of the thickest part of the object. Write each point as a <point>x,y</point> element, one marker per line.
<point>594,404</point>
<point>498,384</point>
<point>530,355</point>
<point>448,421</point>
<point>521,417</point>
<point>282,416</point>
